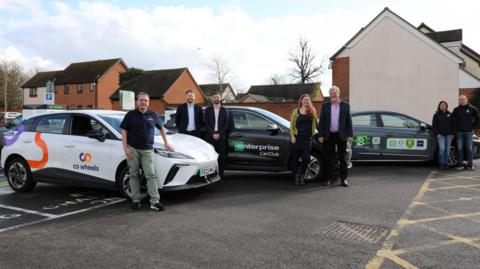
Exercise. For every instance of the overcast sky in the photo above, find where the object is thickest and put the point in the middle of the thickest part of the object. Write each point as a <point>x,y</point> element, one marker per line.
<point>254,37</point>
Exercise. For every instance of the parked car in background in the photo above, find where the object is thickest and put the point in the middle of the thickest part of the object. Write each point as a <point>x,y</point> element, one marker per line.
<point>6,117</point>
<point>392,136</point>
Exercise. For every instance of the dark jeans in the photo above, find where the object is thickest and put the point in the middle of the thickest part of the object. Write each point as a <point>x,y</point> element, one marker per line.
<point>330,144</point>
<point>465,146</point>
<point>220,146</point>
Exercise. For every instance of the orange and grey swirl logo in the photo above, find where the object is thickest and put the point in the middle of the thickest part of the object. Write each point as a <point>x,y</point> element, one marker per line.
<point>85,157</point>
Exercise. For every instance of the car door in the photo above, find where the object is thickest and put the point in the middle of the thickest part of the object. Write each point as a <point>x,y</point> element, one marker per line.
<point>255,141</point>
<point>44,146</point>
<point>367,137</point>
<point>84,156</point>
<point>405,138</point>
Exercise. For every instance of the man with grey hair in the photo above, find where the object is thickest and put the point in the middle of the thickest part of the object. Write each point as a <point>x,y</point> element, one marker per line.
<point>334,130</point>
<point>138,132</point>
<point>467,120</point>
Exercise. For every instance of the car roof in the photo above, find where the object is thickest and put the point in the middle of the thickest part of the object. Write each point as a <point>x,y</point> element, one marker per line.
<point>84,111</point>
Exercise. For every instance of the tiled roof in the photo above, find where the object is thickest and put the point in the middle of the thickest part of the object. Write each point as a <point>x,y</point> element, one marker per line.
<point>41,78</point>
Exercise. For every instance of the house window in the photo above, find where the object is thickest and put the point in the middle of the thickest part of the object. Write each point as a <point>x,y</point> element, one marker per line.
<point>66,89</point>
<point>50,86</point>
<point>79,88</point>
<point>79,107</point>
<point>92,87</point>
<point>33,92</point>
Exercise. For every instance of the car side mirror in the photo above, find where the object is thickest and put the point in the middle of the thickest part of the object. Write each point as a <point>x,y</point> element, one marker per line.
<point>96,134</point>
<point>423,126</point>
<point>273,128</point>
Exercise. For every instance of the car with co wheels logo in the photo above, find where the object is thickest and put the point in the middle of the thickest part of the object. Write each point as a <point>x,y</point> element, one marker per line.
<point>84,148</point>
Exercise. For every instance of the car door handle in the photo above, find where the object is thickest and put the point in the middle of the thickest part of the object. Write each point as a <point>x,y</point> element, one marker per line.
<point>69,145</point>
<point>27,141</point>
<point>236,136</point>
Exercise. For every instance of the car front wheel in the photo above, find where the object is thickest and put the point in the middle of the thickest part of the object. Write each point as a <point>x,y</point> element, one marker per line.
<point>123,184</point>
<point>315,168</point>
<point>19,176</point>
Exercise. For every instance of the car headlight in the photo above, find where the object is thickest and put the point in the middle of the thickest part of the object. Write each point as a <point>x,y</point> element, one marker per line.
<point>171,154</point>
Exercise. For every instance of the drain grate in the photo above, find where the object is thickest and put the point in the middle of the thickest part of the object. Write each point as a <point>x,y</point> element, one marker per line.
<point>355,231</point>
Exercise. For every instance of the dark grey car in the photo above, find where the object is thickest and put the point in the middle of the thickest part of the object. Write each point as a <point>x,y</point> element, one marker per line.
<point>392,136</point>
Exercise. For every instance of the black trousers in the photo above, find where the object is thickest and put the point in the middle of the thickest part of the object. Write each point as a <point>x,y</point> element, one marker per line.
<point>220,146</point>
<point>301,149</point>
<point>330,144</point>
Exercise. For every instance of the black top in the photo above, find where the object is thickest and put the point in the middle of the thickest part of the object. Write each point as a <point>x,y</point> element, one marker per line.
<point>304,125</point>
<point>466,118</point>
<point>223,122</point>
<point>181,118</point>
<point>443,123</point>
<point>345,128</point>
<point>140,128</point>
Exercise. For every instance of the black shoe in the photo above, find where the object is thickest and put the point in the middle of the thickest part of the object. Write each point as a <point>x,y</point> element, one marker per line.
<point>136,206</point>
<point>327,183</point>
<point>470,168</point>
<point>344,183</point>
<point>459,167</point>
<point>158,207</point>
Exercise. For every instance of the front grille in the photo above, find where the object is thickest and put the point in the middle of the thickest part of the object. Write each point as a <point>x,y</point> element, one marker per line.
<point>171,174</point>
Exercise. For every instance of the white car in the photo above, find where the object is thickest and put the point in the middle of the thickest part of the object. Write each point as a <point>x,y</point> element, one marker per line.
<point>84,148</point>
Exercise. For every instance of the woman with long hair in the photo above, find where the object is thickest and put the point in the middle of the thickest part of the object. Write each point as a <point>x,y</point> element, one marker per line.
<point>443,124</point>
<point>303,126</point>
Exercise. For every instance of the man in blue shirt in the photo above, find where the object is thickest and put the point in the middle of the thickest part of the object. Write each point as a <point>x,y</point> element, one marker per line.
<point>138,131</point>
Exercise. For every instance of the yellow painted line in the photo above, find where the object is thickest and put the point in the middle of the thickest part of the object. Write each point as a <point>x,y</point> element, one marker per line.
<point>457,187</point>
<point>386,250</point>
<point>457,199</point>
<point>454,216</point>
<point>464,240</point>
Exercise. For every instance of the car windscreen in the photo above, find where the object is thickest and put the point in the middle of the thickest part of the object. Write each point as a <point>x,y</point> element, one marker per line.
<point>285,123</point>
<point>115,120</point>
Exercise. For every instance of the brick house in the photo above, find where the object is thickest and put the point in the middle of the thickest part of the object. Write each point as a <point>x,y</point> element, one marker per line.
<point>35,88</point>
<point>89,84</point>
<point>281,98</point>
<point>166,88</point>
<point>392,65</point>
<point>226,91</point>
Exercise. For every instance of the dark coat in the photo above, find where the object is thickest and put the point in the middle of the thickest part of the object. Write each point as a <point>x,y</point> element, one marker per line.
<point>223,122</point>
<point>181,118</point>
<point>344,124</point>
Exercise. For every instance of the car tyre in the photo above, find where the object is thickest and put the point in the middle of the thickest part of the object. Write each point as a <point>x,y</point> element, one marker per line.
<point>315,168</point>
<point>123,184</point>
<point>19,175</point>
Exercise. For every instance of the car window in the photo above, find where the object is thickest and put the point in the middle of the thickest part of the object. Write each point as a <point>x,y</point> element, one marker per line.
<point>51,124</point>
<point>245,120</point>
<point>81,125</point>
<point>15,122</point>
<point>115,120</point>
<point>368,120</point>
<point>399,121</point>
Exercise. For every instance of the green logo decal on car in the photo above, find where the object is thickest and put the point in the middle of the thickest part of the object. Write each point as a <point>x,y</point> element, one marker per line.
<point>239,146</point>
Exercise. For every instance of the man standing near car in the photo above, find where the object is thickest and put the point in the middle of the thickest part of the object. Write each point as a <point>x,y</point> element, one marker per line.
<point>466,121</point>
<point>216,124</point>
<point>335,129</point>
<point>138,131</point>
<point>189,116</point>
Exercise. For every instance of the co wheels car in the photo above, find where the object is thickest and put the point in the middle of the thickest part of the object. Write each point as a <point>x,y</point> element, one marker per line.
<point>315,168</point>
<point>19,176</point>
<point>123,183</point>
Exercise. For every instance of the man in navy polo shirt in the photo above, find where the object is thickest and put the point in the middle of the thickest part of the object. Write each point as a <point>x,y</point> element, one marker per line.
<point>138,131</point>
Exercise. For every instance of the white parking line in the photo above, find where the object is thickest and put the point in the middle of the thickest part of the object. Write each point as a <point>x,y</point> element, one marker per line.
<point>49,217</point>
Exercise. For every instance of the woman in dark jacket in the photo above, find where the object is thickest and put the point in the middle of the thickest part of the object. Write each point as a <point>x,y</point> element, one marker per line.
<point>303,126</point>
<point>444,129</point>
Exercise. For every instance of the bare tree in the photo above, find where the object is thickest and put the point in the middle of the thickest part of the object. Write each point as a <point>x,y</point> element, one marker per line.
<point>15,76</point>
<point>220,71</point>
<point>305,69</point>
<point>276,79</point>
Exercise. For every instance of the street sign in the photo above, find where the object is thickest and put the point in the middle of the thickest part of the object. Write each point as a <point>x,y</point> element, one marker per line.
<point>49,98</point>
<point>127,100</point>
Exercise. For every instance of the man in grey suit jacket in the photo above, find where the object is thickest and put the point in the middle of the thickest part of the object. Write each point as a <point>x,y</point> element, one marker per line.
<point>335,129</point>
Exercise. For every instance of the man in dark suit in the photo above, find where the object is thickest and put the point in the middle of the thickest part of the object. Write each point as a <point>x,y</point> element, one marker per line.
<point>189,116</point>
<point>335,129</point>
<point>217,125</point>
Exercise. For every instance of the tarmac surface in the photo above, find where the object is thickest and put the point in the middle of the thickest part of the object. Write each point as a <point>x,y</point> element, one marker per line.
<point>391,216</point>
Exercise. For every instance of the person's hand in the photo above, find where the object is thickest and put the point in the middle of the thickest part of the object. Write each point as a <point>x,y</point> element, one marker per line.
<point>439,136</point>
<point>129,153</point>
<point>169,147</point>
<point>293,139</point>
<point>321,140</point>
<point>349,139</point>
<point>216,136</point>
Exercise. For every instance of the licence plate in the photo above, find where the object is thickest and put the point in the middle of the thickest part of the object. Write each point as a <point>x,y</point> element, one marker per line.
<point>206,171</point>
